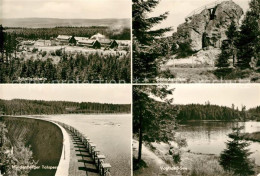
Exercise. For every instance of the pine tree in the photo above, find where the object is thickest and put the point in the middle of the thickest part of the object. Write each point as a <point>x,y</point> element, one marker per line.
<point>232,35</point>
<point>144,54</point>
<point>152,120</point>
<point>223,58</point>
<point>1,43</point>
<point>228,47</point>
<point>236,157</point>
<point>249,39</point>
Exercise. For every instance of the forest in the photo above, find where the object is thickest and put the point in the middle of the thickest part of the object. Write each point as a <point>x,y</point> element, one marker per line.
<point>212,112</point>
<point>80,67</point>
<point>33,107</point>
<point>47,33</point>
<point>85,68</point>
<point>255,113</point>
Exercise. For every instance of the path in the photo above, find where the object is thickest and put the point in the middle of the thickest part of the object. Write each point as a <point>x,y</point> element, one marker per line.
<point>81,163</point>
<point>154,163</point>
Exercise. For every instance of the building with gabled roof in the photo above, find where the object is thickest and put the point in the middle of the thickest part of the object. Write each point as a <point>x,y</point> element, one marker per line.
<point>65,39</point>
<point>107,43</point>
<point>89,43</point>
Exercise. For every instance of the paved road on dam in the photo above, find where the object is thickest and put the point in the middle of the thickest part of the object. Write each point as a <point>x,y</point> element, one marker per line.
<point>81,163</point>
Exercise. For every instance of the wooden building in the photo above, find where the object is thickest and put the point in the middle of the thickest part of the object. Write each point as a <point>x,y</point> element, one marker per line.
<point>106,43</point>
<point>89,43</point>
<point>65,39</point>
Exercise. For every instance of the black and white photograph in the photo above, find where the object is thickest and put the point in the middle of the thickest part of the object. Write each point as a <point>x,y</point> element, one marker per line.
<point>196,41</point>
<point>65,130</point>
<point>129,88</point>
<point>71,41</point>
<point>196,130</point>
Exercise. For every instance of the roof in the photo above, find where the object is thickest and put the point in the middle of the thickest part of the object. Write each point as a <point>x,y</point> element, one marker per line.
<point>89,41</point>
<point>64,37</point>
<point>81,38</point>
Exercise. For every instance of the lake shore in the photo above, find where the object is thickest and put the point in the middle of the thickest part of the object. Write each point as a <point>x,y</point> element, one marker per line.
<point>255,136</point>
<point>192,163</point>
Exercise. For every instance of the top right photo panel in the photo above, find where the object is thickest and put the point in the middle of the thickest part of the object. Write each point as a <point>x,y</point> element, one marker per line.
<point>196,41</point>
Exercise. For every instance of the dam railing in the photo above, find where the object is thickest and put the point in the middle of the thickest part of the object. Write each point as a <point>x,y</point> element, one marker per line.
<point>102,166</point>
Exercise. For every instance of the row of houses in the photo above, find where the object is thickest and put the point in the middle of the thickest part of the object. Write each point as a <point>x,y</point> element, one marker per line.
<point>96,41</point>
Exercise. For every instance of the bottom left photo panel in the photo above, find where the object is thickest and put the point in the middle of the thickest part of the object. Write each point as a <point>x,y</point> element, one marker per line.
<point>65,130</point>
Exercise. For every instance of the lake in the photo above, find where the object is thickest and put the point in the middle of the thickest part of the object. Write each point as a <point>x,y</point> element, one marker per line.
<point>210,137</point>
<point>111,133</point>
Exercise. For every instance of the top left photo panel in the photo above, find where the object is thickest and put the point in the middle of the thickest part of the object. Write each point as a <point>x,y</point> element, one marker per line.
<point>65,41</point>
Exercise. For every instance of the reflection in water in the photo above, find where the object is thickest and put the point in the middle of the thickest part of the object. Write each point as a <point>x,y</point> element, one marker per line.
<point>111,133</point>
<point>211,137</point>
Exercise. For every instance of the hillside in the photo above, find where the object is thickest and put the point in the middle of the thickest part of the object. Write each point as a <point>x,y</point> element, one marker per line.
<point>54,22</point>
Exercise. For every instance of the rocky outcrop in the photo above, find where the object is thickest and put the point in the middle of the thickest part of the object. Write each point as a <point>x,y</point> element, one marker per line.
<point>208,27</point>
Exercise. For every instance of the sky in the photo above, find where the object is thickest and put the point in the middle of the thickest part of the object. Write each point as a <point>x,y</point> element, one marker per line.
<point>116,94</point>
<point>219,94</point>
<point>66,9</point>
<point>179,9</point>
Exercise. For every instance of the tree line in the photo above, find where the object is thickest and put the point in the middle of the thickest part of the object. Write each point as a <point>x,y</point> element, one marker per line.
<point>254,113</point>
<point>48,33</point>
<point>27,107</point>
<point>211,112</point>
<point>91,67</point>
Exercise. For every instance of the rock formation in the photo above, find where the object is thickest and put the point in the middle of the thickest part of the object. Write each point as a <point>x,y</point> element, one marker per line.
<point>208,27</point>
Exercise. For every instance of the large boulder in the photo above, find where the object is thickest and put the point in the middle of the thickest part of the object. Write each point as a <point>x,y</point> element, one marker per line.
<point>207,27</point>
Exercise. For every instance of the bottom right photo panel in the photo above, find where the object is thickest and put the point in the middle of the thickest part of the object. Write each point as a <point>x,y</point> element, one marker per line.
<point>196,130</point>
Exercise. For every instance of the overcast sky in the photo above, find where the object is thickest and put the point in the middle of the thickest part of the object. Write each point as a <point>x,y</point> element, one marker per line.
<point>225,94</point>
<point>120,94</point>
<point>94,9</point>
<point>179,9</point>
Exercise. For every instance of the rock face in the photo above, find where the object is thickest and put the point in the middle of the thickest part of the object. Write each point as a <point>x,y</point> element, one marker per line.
<point>208,28</point>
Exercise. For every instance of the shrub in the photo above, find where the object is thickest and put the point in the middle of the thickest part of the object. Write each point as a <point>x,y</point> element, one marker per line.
<point>58,52</point>
<point>44,53</point>
<point>184,50</point>
<point>34,50</point>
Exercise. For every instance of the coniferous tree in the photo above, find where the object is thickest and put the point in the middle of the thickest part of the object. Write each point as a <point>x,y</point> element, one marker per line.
<point>153,121</point>
<point>232,35</point>
<point>249,39</point>
<point>235,157</point>
<point>223,58</point>
<point>1,43</point>
<point>228,47</point>
<point>145,54</point>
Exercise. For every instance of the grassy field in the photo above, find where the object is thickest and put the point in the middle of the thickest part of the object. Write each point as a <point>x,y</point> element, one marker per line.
<point>205,74</point>
<point>45,52</point>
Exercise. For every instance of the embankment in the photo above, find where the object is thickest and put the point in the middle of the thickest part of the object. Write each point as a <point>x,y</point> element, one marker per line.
<point>45,139</point>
